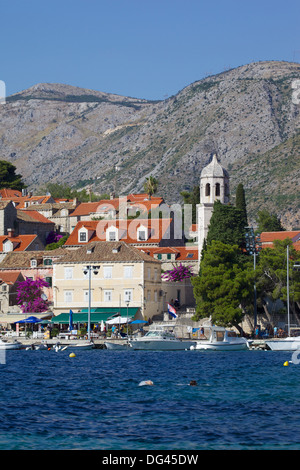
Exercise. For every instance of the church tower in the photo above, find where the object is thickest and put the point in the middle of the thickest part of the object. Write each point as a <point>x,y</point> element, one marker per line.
<point>214,185</point>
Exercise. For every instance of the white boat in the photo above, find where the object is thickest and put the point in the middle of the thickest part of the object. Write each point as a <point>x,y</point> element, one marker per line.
<point>10,345</point>
<point>120,346</point>
<point>290,343</point>
<point>81,345</point>
<point>161,338</point>
<point>218,338</point>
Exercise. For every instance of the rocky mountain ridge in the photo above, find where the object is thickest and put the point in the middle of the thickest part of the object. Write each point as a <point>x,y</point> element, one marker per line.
<point>55,132</point>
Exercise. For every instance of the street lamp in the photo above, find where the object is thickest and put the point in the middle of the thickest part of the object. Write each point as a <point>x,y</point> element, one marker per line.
<point>88,270</point>
<point>253,247</point>
<point>127,305</point>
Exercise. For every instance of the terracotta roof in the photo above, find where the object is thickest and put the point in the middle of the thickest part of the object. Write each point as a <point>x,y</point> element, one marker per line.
<point>7,193</point>
<point>183,253</point>
<point>158,228</point>
<point>104,251</point>
<point>267,238</point>
<point>9,277</point>
<point>20,201</point>
<point>21,242</point>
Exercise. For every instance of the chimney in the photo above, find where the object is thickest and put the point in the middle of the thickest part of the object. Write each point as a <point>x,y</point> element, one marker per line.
<point>10,232</point>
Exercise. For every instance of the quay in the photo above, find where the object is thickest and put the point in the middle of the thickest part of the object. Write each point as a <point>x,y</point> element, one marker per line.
<point>99,342</point>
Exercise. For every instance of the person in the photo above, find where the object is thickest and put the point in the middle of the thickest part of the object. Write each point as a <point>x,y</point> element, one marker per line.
<point>193,383</point>
<point>275,331</point>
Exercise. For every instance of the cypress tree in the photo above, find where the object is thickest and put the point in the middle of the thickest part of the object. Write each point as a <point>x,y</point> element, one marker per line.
<point>240,202</point>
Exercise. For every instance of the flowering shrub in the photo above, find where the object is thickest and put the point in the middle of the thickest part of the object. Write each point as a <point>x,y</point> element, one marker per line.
<point>29,295</point>
<point>178,273</point>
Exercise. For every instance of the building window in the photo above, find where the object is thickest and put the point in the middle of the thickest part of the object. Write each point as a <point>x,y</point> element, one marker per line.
<point>207,189</point>
<point>169,255</point>
<point>128,297</point>
<point>107,272</point>
<point>86,296</point>
<point>149,273</point>
<point>148,295</point>
<point>155,274</point>
<point>68,273</point>
<point>218,192</point>
<point>48,262</point>
<point>155,296</point>
<point>127,272</point>
<point>82,236</point>
<point>68,294</point>
<point>33,263</point>
<point>159,256</point>
<point>107,295</point>
<point>49,281</point>
<point>142,235</point>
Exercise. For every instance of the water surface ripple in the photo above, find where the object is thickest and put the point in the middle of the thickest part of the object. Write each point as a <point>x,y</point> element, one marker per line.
<point>244,400</point>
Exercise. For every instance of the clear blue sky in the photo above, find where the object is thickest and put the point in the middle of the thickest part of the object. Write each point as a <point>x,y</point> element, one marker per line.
<point>141,48</point>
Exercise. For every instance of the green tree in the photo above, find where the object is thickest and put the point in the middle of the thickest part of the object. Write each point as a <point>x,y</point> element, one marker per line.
<point>63,191</point>
<point>240,202</point>
<point>150,185</point>
<point>271,272</point>
<point>224,288</point>
<point>268,222</point>
<point>9,178</point>
<point>227,225</point>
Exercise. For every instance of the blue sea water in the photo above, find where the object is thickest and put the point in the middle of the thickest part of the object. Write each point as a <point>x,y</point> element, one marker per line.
<point>244,400</point>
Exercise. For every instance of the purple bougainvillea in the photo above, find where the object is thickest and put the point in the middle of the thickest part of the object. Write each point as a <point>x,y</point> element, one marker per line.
<point>29,295</point>
<point>178,273</point>
<point>53,237</point>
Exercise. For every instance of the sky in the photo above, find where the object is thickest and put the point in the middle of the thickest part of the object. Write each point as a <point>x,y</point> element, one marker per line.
<point>147,49</point>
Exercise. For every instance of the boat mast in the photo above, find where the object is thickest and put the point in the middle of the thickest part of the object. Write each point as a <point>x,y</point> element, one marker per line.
<point>287,286</point>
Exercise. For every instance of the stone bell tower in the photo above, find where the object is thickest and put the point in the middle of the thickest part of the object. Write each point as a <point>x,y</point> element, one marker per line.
<point>214,185</point>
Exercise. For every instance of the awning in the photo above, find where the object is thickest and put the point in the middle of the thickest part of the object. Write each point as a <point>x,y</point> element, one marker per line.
<point>96,317</point>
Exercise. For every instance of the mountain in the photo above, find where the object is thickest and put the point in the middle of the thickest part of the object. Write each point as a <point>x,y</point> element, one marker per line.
<point>65,134</point>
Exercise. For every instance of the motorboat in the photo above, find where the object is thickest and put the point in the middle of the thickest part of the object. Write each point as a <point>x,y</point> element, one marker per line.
<point>10,345</point>
<point>117,346</point>
<point>218,338</point>
<point>82,345</point>
<point>290,343</point>
<point>161,338</point>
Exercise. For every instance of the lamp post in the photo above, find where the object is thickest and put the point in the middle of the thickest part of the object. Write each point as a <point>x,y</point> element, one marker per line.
<point>127,305</point>
<point>88,270</point>
<point>253,247</point>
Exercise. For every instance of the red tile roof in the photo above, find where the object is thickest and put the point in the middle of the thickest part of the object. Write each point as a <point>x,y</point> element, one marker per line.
<point>9,277</point>
<point>21,242</point>
<point>267,238</point>
<point>183,253</point>
<point>158,228</point>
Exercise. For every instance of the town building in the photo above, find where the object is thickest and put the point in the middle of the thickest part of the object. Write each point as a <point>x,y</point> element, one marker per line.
<point>121,275</point>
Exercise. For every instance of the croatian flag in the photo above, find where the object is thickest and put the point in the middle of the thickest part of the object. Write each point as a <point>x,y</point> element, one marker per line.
<point>172,311</point>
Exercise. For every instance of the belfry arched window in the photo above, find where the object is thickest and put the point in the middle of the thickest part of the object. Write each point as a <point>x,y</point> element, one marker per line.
<point>217,189</point>
<point>207,189</point>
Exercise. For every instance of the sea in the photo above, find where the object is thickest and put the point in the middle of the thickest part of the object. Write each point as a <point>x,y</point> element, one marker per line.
<point>243,400</point>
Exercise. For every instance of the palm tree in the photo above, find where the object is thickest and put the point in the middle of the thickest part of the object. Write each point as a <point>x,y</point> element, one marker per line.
<point>150,185</point>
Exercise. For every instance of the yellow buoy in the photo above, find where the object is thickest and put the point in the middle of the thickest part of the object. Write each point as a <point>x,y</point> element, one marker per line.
<point>72,355</point>
<point>286,363</point>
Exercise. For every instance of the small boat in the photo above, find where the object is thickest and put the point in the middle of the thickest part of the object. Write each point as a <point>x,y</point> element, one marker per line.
<point>161,338</point>
<point>82,345</point>
<point>120,346</point>
<point>10,345</point>
<point>221,339</point>
<point>291,343</point>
